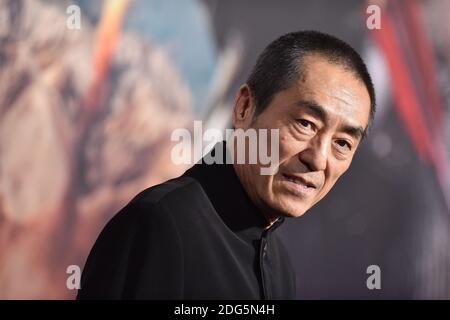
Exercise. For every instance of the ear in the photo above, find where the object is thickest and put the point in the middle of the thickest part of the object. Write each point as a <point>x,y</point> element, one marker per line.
<point>244,108</point>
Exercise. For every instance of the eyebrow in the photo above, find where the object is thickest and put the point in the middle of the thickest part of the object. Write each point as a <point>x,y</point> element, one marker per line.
<point>357,132</point>
<point>314,108</point>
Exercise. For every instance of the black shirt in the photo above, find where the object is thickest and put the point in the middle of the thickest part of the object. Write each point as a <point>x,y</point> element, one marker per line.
<point>194,237</point>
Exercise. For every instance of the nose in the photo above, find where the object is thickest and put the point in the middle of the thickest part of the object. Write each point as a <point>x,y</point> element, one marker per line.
<point>315,156</point>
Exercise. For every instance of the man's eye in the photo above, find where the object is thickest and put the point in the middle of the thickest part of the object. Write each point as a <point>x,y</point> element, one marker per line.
<point>344,144</point>
<point>305,123</point>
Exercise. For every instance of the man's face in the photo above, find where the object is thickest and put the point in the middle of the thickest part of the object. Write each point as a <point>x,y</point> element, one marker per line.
<point>320,119</point>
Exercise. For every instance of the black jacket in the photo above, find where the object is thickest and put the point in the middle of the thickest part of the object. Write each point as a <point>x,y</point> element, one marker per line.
<point>194,237</point>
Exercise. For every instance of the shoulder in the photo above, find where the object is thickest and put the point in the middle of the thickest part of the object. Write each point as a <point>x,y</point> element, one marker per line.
<point>179,189</point>
<point>141,240</point>
<point>159,204</point>
<point>149,217</point>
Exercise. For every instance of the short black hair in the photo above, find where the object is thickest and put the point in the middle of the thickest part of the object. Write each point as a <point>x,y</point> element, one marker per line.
<point>280,64</point>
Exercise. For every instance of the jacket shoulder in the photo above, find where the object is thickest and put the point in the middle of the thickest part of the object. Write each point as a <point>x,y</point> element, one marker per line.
<point>179,194</point>
<point>157,206</point>
<point>122,261</point>
<point>180,187</point>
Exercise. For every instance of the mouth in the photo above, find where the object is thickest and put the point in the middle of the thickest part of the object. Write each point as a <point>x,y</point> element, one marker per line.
<point>299,184</point>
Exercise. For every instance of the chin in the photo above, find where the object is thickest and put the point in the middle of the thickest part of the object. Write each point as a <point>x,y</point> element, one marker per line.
<point>289,209</point>
<point>294,213</point>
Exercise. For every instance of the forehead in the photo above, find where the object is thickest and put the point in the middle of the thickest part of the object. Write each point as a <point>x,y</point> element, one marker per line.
<point>333,87</point>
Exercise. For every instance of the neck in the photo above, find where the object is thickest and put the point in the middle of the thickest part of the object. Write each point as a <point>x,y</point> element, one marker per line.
<point>246,182</point>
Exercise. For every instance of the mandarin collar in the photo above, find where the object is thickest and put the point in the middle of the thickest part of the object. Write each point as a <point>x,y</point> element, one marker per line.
<point>230,199</point>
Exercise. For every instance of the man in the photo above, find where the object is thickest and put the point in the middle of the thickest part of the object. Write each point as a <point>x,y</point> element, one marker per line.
<point>212,233</point>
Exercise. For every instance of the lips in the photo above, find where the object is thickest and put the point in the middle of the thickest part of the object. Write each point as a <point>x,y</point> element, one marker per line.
<point>301,181</point>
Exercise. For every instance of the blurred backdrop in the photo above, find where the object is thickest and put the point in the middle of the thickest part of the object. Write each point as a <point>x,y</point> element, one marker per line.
<point>86,116</point>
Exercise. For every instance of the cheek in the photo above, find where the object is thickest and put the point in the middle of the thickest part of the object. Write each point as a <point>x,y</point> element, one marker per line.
<point>261,182</point>
<point>289,145</point>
